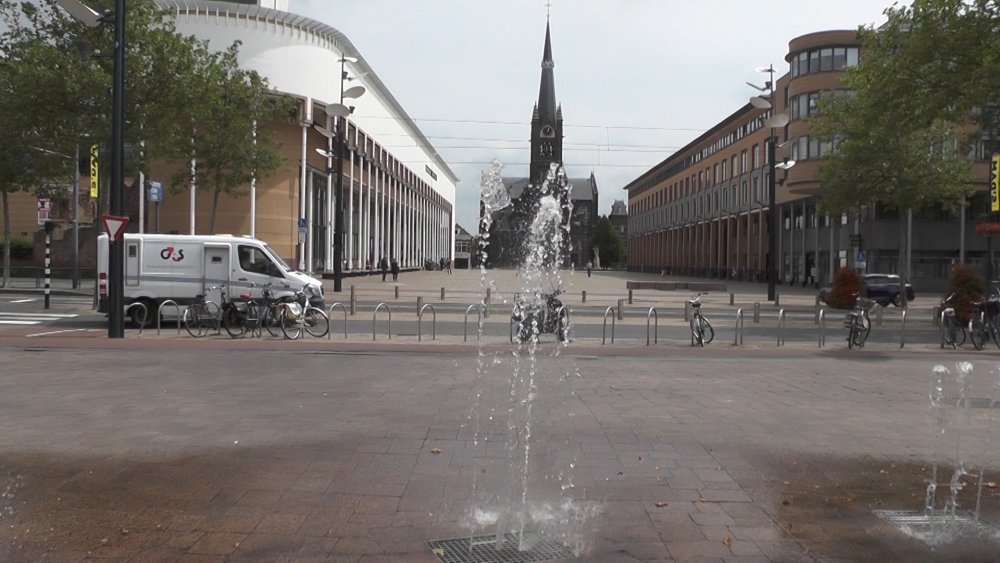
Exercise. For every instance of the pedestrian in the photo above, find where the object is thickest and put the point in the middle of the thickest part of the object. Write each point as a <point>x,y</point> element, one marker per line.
<point>442,264</point>
<point>590,266</point>
<point>449,266</point>
<point>368,265</point>
<point>384,266</point>
<point>395,270</point>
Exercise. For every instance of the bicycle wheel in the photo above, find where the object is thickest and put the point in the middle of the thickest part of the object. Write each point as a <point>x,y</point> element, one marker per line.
<point>291,329</point>
<point>851,337</point>
<point>232,320</point>
<point>316,322</point>
<point>860,335</point>
<point>196,320</point>
<point>707,332</point>
<point>696,331</point>
<point>252,314</point>
<point>270,321</point>
<point>978,332</point>
<point>959,335</point>
<point>994,331</point>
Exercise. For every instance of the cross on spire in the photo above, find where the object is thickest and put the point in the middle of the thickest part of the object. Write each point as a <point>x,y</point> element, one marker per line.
<point>548,10</point>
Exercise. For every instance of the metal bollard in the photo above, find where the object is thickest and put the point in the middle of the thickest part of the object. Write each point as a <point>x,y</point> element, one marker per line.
<point>738,338</point>
<point>822,328</point>
<point>756,313</point>
<point>902,332</point>
<point>816,314</point>
<point>585,296</point>
<point>656,327</point>
<point>630,297</point>
<point>420,304</point>
<point>732,298</point>
<point>442,294</point>
<point>878,315</point>
<point>397,292</point>
<point>777,300</point>
<point>354,302</point>
<point>486,304</point>
<point>937,315</point>
<point>621,309</point>
<point>781,327</point>
<point>687,312</point>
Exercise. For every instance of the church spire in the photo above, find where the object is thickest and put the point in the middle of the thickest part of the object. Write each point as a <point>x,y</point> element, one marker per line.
<point>547,91</point>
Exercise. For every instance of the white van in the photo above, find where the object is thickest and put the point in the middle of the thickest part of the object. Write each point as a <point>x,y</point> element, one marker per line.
<point>181,267</point>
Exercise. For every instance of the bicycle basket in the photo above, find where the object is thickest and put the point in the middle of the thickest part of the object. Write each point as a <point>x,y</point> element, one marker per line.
<point>865,304</point>
<point>993,308</point>
<point>292,311</point>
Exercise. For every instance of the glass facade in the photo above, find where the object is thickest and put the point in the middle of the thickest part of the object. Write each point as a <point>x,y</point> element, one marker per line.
<point>824,59</point>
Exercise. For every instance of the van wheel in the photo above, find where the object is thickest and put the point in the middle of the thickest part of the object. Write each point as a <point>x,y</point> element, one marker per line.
<point>135,314</point>
<point>898,300</point>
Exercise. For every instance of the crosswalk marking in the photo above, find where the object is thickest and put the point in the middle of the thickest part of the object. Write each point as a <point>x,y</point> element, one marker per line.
<point>22,319</point>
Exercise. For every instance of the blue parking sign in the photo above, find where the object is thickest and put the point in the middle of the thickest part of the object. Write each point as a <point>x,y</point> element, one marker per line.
<point>155,192</point>
<point>862,256</point>
<point>302,222</point>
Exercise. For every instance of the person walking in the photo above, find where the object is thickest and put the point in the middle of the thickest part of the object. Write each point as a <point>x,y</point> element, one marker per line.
<point>384,266</point>
<point>449,266</point>
<point>590,266</point>
<point>395,270</point>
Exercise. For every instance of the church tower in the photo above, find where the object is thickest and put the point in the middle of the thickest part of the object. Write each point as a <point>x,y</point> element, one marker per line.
<point>546,120</point>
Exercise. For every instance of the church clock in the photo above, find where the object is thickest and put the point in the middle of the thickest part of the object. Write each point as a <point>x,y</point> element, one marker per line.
<point>548,132</point>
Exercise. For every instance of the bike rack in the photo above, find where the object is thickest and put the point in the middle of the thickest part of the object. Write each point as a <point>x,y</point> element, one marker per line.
<point>375,317</point>
<point>145,313</point>
<point>159,315</point>
<point>605,329</point>
<point>822,328</point>
<point>941,319</point>
<point>479,322</point>
<point>781,327</point>
<point>902,332</point>
<point>656,327</point>
<point>569,323</point>
<point>434,322</point>
<point>329,333</point>
<point>738,337</point>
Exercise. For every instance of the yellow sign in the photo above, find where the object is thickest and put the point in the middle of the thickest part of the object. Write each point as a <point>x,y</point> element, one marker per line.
<point>94,181</point>
<point>995,183</point>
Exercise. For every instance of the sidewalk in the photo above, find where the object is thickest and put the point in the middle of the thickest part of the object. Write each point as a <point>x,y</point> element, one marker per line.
<point>58,286</point>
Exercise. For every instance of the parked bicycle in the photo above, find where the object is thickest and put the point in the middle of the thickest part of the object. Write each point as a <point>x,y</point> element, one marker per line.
<point>296,315</point>
<point>239,319</point>
<point>952,332</point>
<point>985,323</point>
<point>529,319</point>
<point>858,322</point>
<point>701,329</point>
<point>202,316</point>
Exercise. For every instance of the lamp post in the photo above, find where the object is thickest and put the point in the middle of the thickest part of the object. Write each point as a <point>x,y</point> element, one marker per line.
<point>777,120</point>
<point>116,252</point>
<point>340,112</point>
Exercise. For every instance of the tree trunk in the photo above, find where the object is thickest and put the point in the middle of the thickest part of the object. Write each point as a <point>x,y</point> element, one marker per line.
<point>6,241</point>
<point>215,207</point>
<point>903,266</point>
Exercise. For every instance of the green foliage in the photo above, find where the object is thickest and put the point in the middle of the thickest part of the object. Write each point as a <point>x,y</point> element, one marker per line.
<point>21,247</point>
<point>968,287</point>
<point>232,142</point>
<point>609,241</point>
<point>847,286</point>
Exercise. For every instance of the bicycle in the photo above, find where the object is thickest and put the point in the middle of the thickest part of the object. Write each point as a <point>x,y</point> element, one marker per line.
<point>984,324</point>
<point>199,318</point>
<point>237,320</point>
<point>858,322</point>
<point>701,329</point>
<point>950,327</point>
<point>296,314</point>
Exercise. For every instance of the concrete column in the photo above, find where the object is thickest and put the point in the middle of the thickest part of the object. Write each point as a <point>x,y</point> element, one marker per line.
<point>349,244</point>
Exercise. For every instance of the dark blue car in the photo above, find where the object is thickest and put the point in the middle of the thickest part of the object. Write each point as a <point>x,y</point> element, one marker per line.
<point>882,288</point>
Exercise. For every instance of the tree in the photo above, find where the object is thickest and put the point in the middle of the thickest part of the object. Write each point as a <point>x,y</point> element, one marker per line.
<point>886,146</point>
<point>235,105</point>
<point>609,242</point>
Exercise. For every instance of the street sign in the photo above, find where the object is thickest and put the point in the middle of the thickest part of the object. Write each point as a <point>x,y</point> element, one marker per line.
<point>94,170</point>
<point>114,226</point>
<point>155,192</point>
<point>44,210</point>
<point>995,183</point>
<point>302,222</point>
<point>855,241</point>
<point>862,256</point>
<point>302,236</point>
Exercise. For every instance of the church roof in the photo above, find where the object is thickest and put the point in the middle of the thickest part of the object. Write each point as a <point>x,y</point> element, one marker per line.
<point>581,189</point>
<point>618,208</point>
<point>547,107</point>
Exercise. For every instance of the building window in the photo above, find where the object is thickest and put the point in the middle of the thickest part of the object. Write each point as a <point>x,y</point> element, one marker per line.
<point>756,157</point>
<point>756,189</point>
<point>744,193</point>
<point>734,166</point>
<point>743,156</point>
<point>715,174</point>
<point>824,60</point>
<point>725,176</point>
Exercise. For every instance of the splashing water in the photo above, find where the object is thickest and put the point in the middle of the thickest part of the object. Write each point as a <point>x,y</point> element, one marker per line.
<point>938,376</point>
<point>986,443</point>
<point>962,421</point>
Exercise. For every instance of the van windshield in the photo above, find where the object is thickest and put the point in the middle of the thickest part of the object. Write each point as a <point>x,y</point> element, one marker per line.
<point>276,258</point>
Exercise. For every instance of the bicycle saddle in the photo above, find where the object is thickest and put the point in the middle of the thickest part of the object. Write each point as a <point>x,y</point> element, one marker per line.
<point>245,295</point>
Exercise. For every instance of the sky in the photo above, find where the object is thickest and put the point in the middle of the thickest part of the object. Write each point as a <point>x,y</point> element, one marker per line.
<point>637,79</point>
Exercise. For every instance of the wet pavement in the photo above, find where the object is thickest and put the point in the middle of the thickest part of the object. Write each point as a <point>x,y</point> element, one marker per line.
<point>186,455</point>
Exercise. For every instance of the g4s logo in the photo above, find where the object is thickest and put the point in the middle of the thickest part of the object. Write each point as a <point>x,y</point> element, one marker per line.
<point>168,254</point>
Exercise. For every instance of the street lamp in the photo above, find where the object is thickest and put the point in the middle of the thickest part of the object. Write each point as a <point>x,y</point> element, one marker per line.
<point>116,204</point>
<point>340,112</point>
<point>776,121</point>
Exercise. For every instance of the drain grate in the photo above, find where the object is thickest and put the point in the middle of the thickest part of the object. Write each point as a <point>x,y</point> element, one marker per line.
<point>484,549</point>
<point>937,529</point>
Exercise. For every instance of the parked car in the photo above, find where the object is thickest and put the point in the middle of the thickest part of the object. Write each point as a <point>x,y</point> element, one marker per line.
<point>882,288</point>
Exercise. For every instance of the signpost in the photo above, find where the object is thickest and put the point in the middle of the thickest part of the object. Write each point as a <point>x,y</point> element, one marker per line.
<point>156,196</point>
<point>44,210</point>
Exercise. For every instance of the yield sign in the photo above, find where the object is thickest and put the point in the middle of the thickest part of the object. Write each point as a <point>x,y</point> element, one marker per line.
<point>114,226</point>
